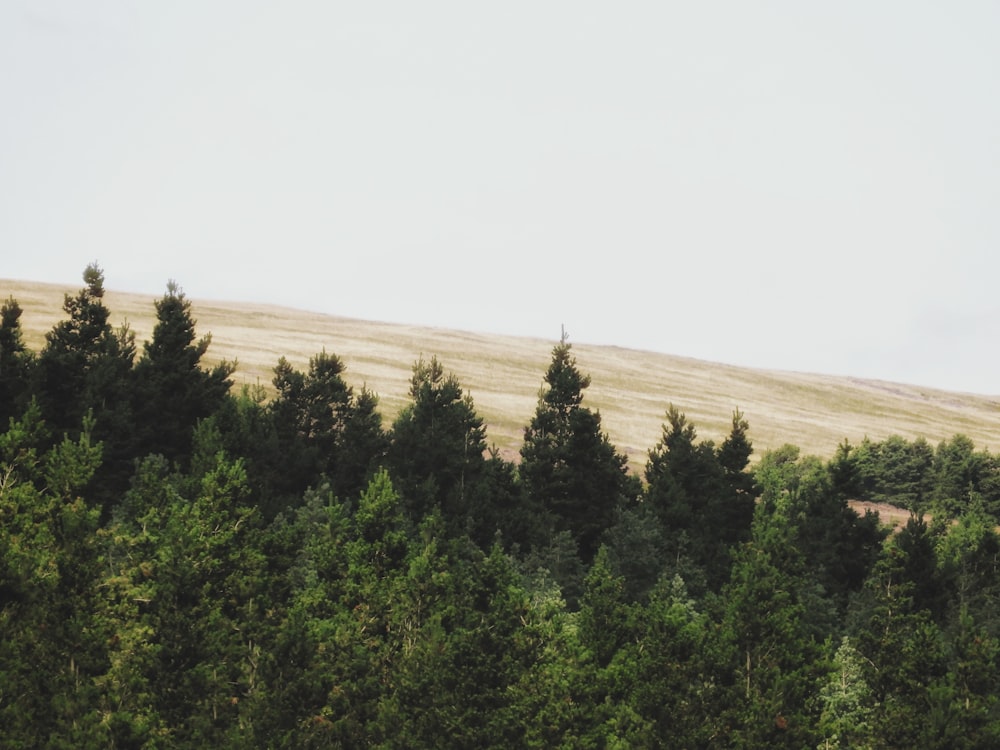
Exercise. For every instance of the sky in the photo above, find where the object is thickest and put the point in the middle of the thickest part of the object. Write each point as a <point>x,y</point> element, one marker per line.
<point>785,185</point>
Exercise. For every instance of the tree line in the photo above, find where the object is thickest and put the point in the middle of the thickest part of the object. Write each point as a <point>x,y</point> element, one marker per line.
<point>184,565</point>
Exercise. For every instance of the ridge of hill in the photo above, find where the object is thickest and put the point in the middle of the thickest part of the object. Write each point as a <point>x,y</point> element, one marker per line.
<point>631,388</point>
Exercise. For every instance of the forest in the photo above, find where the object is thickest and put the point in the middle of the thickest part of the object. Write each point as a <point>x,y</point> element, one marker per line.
<point>188,564</point>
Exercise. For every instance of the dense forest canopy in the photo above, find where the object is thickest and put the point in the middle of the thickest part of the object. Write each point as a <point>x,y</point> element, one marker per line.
<point>187,564</point>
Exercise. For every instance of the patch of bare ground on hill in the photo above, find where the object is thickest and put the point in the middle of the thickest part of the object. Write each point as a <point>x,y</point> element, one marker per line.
<point>632,389</point>
<point>889,515</point>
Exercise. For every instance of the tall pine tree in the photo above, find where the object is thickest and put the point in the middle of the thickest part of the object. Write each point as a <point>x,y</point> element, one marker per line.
<point>86,367</point>
<point>438,445</point>
<point>15,363</point>
<point>172,390</point>
<point>568,464</point>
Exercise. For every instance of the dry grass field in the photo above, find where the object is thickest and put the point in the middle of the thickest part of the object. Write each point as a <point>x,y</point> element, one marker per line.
<point>503,374</point>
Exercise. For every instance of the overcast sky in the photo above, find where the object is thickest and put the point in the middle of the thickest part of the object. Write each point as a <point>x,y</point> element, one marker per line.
<point>802,185</point>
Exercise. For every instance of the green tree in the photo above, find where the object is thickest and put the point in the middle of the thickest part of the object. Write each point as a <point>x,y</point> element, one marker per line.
<point>323,429</point>
<point>568,464</point>
<point>839,546</point>
<point>49,653</point>
<point>637,549</point>
<point>670,671</point>
<point>703,496</point>
<point>897,634</point>
<point>15,363</point>
<point>438,446</point>
<point>776,654</point>
<point>956,472</point>
<point>894,471</point>
<point>86,367</point>
<point>184,580</point>
<point>604,612</point>
<point>83,362</point>
<point>847,702</point>
<point>172,389</point>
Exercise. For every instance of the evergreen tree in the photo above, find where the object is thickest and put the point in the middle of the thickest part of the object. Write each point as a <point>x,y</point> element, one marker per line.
<point>637,549</point>
<point>671,671</point>
<point>894,471</point>
<point>83,364</point>
<point>322,429</point>
<point>775,654</point>
<point>50,647</point>
<point>86,367</point>
<point>15,363</point>
<point>839,546</point>
<point>438,444</point>
<point>604,612</point>
<point>847,702</point>
<point>500,511</point>
<point>896,633</point>
<point>172,390</point>
<point>185,578</point>
<point>734,506</point>
<point>568,465</point>
<point>703,496</point>
<point>956,472</point>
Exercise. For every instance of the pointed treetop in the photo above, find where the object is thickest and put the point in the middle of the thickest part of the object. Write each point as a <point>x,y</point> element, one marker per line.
<point>93,277</point>
<point>566,382</point>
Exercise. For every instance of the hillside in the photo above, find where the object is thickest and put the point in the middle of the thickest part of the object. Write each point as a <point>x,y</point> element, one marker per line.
<point>503,374</point>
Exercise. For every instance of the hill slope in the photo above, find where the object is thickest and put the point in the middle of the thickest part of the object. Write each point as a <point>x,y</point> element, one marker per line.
<point>504,373</point>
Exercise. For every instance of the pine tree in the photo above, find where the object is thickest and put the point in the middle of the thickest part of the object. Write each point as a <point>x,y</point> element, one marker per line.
<point>83,363</point>
<point>703,496</point>
<point>173,391</point>
<point>323,430</point>
<point>776,657</point>
<point>15,363</point>
<point>896,633</point>
<point>568,464</point>
<point>50,646</point>
<point>86,367</point>
<point>438,446</point>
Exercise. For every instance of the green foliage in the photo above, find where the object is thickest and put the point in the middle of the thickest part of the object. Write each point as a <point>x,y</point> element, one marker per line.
<point>47,574</point>
<point>604,612</point>
<point>568,465</point>
<point>86,367</point>
<point>776,656</point>
<point>839,546</point>
<point>637,549</point>
<point>172,391</point>
<point>322,429</point>
<point>848,701</point>
<point>15,362</point>
<point>894,471</point>
<point>438,446</point>
<point>257,579</point>
<point>703,496</point>
<point>182,581</point>
<point>956,471</point>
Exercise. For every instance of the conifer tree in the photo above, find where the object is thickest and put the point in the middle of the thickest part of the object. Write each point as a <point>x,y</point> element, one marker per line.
<point>568,464</point>
<point>323,429</point>
<point>50,652</point>
<point>896,633</point>
<point>15,363</point>
<point>86,367</point>
<point>775,656</point>
<point>703,496</point>
<point>83,364</point>
<point>173,391</point>
<point>438,445</point>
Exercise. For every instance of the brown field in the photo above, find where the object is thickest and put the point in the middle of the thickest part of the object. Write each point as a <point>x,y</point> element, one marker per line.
<point>504,373</point>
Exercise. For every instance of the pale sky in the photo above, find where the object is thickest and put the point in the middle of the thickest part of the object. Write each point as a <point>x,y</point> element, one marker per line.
<point>795,185</point>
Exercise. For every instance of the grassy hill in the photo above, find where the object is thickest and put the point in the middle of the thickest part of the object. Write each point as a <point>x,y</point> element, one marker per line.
<point>504,373</point>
